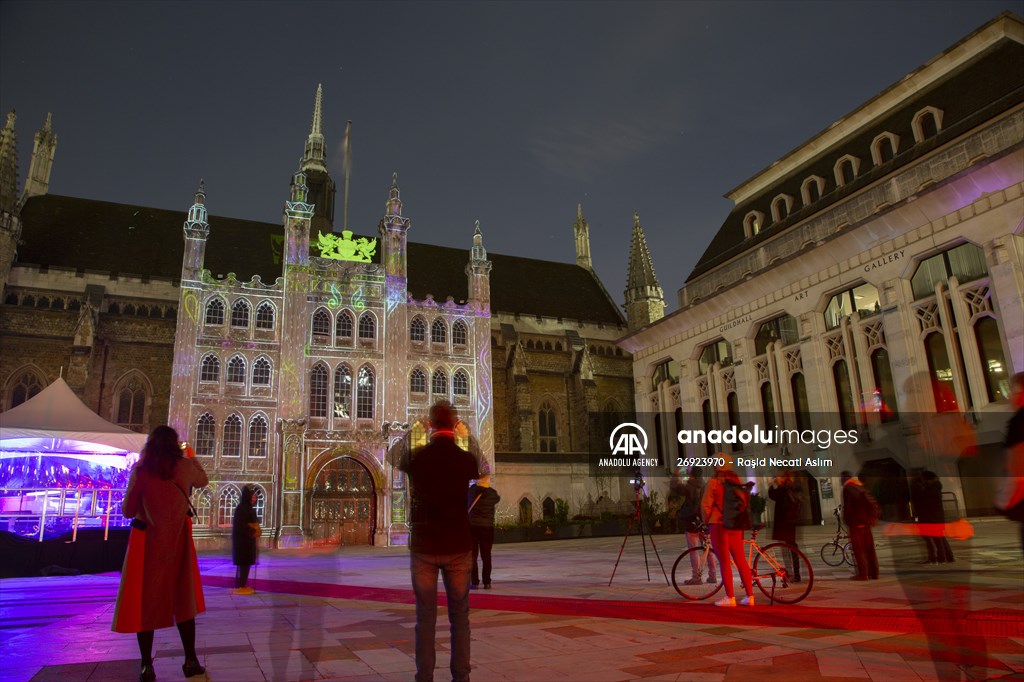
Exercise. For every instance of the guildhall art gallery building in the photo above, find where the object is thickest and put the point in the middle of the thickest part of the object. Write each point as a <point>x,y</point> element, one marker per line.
<point>292,357</point>
<point>869,279</point>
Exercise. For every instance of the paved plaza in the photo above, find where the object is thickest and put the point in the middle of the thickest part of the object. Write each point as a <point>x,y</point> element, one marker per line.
<point>347,614</point>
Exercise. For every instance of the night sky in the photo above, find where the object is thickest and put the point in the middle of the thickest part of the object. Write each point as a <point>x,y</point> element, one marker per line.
<point>508,114</point>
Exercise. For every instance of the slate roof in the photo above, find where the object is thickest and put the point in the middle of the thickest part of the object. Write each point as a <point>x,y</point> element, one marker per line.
<point>988,85</point>
<point>84,234</point>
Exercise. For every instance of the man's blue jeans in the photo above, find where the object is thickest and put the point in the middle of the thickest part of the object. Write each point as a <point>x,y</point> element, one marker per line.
<point>454,569</point>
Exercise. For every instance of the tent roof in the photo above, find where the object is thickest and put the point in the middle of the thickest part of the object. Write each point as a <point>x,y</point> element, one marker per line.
<point>56,412</point>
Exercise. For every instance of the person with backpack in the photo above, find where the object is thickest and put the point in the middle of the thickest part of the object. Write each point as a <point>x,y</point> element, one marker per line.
<point>726,509</point>
<point>860,513</point>
<point>482,499</point>
<point>788,510</point>
<point>688,520</point>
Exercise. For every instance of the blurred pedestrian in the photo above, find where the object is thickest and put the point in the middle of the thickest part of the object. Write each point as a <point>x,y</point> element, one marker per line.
<point>726,508</point>
<point>160,580</point>
<point>860,513</point>
<point>926,496</point>
<point>245,533</point>
<point>482,499</point>
<point>688,518</point>
<point>439,474</point>
<point>788,512</point>
<point>1011,498</point>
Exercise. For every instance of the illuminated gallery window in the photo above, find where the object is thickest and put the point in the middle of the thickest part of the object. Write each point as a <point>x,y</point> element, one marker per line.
<point>782,328</point>
<point>215,312</point>
<point>206,435</point>
<point>667,370</point>
<point>718,351</point>
<point>131,404</point>
<point>343,392</point>
<point>236,370</point>
<point>260,506</point>
<point>965,262</point>
<point>768,406</point>
<point>459,333</point>
<point>202,502</point>
<point>547,429</point>
<point>942,372</point>
<point>993,362</point>
<point>261,372</point>
<point>862,298</point>
<point>321,325</point>
<point>26,386</point>
<point>438,332</point>
<point>318,391</point>
<point>801,406</point>
<point>233,436</point>
<point>418,330</point>
<point>209,369</point>
<point>439,383</point>
<point>844,394</point>
<point>418,381</point>
<point>258,432</point>
<point>229,498</point>
<point>240,314</point>
<point>364,394</point>
<point>367,326</point>
<point>460,384</point>
<point>265,316</point>
<point>345,324</point>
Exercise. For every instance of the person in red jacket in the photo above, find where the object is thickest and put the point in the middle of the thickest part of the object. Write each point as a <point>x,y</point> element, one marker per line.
<point>726,541</point>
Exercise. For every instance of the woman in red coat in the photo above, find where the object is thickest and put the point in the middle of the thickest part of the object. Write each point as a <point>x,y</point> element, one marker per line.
<point>160,580</point>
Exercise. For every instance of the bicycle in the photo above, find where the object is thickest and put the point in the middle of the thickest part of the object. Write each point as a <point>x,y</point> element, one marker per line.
<point>837,552</point>
<point>768,570</point>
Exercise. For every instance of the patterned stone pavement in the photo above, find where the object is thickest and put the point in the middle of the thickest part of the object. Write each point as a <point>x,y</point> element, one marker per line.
<point>347,615</point>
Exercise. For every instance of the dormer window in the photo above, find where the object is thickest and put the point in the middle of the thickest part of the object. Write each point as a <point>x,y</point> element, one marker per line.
<point>884,147</point>
<point>781,206</point>
<point>926,124</point>
<point>812,189</point>
<point>753,223</point>
<point>846,170</point>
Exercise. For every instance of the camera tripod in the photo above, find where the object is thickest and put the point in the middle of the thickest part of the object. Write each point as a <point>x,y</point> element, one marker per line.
<point>638,518</point>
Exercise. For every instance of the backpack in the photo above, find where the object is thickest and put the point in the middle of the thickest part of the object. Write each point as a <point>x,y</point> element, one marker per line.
<point>736,505</point>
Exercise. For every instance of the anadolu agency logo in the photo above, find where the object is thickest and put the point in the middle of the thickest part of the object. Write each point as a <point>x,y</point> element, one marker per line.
<point>628,444</point>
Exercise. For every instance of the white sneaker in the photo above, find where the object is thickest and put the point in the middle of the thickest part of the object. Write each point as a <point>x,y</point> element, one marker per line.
<point>747,601</point>
<point>726,601</point>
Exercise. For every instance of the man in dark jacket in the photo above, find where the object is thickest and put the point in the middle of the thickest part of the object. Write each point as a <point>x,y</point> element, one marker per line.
<point>860,513</point>
<point>788,509</point>
<point>481,500</point>
<point>439,474</point>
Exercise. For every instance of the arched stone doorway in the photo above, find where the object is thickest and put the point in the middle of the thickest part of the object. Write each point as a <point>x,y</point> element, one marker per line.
<point>343,504</point>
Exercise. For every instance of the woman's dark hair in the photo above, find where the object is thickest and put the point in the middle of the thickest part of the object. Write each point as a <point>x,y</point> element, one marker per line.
<point>161,452</point>
<point>247,493</point>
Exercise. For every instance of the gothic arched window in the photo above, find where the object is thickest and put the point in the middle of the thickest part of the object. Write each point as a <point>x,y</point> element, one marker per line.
<point>547,428</point>
<point>202,501</point>
<point>318,391</point>
<point>417,381</point>
<point>439,383</point>
<point>233,436</point>
<point>365,394</point>
<point>261,372</point>
<point>417,329</point>
<point>265,316</point>
<point>367,326</point>
<point>460,335</point>
<point>236,370</point>
<point>229,498</point>
<point>240,314</point>
<point>258,433</point>
<point>215,311</point>
<point>321,325</point>
<point>206,435</point>
<point>26,386</point>
<point>438,332</point>
<point>460,383</point>
<point>209,369</point>
<point>343,392</point>
<point>131,404</point>
<point>344,329</point>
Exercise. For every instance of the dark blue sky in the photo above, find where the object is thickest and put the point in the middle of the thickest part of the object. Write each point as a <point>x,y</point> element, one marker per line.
<point>508,114</point>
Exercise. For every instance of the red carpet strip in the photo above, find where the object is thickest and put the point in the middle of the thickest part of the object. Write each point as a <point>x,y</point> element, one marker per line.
<point>987,623</point>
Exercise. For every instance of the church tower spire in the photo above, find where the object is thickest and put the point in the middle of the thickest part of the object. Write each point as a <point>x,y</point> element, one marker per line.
<point>645,301</point>
<point>314,166</point>
<point>9,166</point>
<point>38,181</point>
<point>581,230</point>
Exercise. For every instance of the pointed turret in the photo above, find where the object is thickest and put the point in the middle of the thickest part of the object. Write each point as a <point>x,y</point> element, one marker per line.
<point>581,230</point>
<point>479,272</point>
<point>314,165</point>
<point>394,228</point>
<point>313,157</point>
<point>645,301</point>
<point>38,181</point>
<point>9,166</point>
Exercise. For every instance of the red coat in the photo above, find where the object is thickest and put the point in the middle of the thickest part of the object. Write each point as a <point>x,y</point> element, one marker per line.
<point>160,579</point>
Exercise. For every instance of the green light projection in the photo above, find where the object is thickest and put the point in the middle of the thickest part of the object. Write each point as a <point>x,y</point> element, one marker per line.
<point>346,248</point>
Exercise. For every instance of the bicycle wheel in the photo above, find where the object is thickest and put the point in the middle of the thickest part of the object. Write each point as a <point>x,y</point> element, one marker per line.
<point>848,555</point>
<point>695,585</point>
<point>791,583</point>
<point>832,554</point>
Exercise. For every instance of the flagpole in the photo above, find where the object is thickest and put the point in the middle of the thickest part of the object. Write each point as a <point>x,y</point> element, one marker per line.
<point>348,168</point>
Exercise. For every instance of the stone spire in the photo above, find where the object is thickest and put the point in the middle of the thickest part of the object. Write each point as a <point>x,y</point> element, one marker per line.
<point>645,301</point>
<point>313,157</point>
<point>38,181</point>
<point>9,166</point>
<point>478,270</point>
<point>196,225</point>
<point>581,230</point>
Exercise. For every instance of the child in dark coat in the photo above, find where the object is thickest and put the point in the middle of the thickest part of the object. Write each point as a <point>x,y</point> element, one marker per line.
<point>482,499</point>
<point>245,531</point>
